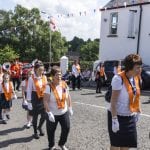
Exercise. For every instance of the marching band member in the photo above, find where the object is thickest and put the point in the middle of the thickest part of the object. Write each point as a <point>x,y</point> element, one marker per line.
<point>24,85</point>
<point>16,74</point>
<point>57,102</point>
<point>100,78</point>
<point>125,105</point>
<point>35,91</point>
<point>7,94</point>
<point>1,80</point>
<point>76,70</point>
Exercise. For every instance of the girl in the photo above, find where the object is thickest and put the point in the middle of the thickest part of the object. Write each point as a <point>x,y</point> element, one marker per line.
<point>7,94</point>
<point>57,102</point>
<point>35,92</point>
<point>24,85</point>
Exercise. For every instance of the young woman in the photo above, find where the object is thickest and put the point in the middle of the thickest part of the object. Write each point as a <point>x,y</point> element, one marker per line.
<point>24,85</point>
<point>35,92</point>
<point>7,94</point>
<point>57,102</point>
<point>125,105</point>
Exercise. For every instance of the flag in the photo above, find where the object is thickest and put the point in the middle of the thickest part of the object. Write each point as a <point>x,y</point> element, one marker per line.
<point>52,24</point>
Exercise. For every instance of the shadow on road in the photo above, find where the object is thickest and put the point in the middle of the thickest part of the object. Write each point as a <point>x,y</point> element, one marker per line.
<point>100,96</point>
<point>88,93</point>
<point>14,141</point>
<point>5,132</point>
<point>148,102</point>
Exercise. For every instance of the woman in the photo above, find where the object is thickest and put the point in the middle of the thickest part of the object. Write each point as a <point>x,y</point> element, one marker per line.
<point>7,94</point>
<point>125,105</point>
<point>24,85</point>
<point>58,106</point>
<point>35,92</point>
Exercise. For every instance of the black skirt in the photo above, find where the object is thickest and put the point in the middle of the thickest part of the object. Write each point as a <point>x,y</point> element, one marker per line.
<point>127,135</point>
<point>4,103</point>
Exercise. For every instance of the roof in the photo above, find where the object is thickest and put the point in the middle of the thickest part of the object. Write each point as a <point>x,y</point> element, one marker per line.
<point>121,3</point>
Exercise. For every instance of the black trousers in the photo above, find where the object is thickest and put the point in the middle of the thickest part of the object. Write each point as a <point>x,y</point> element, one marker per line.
<point>38,109</point>
<point>64,121</point>
<point>76,80</point>
<point>0,113</point>
<point>16,80</point>
<point>99,84</point>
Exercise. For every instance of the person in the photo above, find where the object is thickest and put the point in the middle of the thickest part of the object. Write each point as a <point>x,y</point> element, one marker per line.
<point>100,78</point>
<point>125,109</point>
<point>1,80</point>
<point>15,70</point>
<point>76,70</point>
<point>117,68</point>
<point>24,85</point>
<point>57,102</point>
<point>35,92</point>
<point>7,94</point>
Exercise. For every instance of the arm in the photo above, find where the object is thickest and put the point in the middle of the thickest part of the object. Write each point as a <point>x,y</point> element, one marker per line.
<point>114,99</point>
<point>29,88</point>
<point>45,100</point>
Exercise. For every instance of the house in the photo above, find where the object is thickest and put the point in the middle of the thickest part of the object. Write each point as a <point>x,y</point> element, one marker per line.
<point>125,29</point>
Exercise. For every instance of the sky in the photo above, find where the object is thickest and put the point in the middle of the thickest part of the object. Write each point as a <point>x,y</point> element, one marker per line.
<point>84,26</point>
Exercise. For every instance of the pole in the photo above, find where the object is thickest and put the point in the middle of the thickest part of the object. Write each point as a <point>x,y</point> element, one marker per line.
<point>50,51</point>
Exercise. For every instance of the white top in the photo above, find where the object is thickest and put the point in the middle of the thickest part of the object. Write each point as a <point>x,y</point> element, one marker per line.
<point>1,77</point>
<point>75,71</point>
<point>52,102</point>
<point>115,71</point>
<point>31,86</point>
<point>123,98</point>
<point>6,86</point>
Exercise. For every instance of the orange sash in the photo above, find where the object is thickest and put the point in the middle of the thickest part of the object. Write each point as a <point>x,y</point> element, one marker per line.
<point>78,68</point>
<point>101,71</point>
<point>134,104</point>
<point>40,91</point>
<point>8,94</point>
<point>60,102</point>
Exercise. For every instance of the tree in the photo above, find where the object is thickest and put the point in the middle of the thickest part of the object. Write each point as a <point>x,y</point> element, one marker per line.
<point>7,54</point>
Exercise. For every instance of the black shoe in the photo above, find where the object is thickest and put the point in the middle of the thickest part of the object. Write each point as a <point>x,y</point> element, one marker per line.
<point>7,116</point>
<point>41,131</point>
<point>36,136</point>
<point>4,122</point>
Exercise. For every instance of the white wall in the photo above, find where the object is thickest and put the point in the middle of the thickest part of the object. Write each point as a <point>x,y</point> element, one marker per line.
<point>117,47</point>
<point>144,50</point>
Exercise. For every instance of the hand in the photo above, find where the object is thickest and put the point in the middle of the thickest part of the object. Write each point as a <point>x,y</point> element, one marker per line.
<point>70,111</point>
<point>30,106</point>
<point>15,96</point>
<point>25,102</point>
<point>137,117</point>
<point>51,117</point>
<point>115,125</point>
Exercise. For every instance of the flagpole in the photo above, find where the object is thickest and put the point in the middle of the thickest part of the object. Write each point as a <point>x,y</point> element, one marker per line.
<point>50,51</point>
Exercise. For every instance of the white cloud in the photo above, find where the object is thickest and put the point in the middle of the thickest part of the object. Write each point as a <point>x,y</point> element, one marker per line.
<point>82,26</point>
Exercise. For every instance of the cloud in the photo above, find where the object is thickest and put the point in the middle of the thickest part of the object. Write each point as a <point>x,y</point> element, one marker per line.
<point>82,26</point>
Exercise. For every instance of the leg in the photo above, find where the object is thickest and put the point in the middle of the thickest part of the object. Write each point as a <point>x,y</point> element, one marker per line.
<point>14,80</point>
<point>0,113</point>
<point>65,128</point>
<point>124,148</point>
<point>73,82</point>
<point>78,82</point>
<point>51,127</point>
<point>114,148</point>
<point>18,83</point>
<point>42,119</point>
<point>35,117</point>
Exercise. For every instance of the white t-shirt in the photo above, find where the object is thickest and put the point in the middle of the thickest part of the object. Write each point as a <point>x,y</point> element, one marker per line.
<point>6,86</point>
<point>123,98</point>
<point>52,102</point>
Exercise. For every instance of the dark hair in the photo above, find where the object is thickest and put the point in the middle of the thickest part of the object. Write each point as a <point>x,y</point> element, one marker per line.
<point>131,60</point>
<point>38,64</point>
<point>55,69</point>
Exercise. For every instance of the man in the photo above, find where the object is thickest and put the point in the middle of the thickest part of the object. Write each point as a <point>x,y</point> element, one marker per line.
<point>76,70</point>
<point>15,71</point>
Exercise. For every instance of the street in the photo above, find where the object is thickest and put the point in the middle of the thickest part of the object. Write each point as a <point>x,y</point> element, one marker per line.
<point>88,125</point>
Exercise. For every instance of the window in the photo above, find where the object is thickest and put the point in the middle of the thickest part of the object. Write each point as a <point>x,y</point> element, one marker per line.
<point>131,24</point>
<point>113,23</point>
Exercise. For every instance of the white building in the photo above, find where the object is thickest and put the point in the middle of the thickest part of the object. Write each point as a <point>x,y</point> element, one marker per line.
<point>125,29</point>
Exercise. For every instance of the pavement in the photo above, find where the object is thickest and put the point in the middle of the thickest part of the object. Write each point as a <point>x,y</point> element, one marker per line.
<point>88,125</point>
